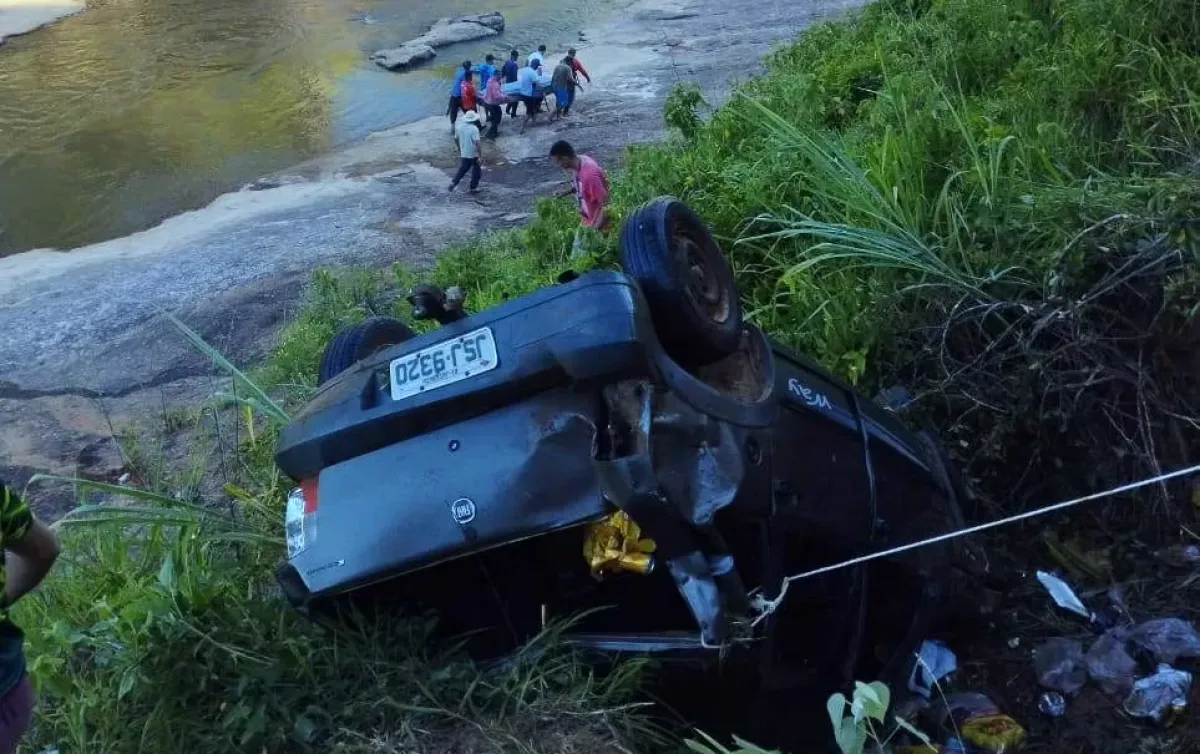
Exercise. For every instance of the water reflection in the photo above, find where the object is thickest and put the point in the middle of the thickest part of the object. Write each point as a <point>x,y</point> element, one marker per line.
<point>138,109</point>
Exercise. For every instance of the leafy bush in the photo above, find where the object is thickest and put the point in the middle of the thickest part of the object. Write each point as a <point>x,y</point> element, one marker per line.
<point>679,110</point>
<point>992,203</point>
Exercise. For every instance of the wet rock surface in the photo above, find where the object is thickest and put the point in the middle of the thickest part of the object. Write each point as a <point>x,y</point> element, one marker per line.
<point>84,349</point>
<point>405,56</point>
<point>444,32</point>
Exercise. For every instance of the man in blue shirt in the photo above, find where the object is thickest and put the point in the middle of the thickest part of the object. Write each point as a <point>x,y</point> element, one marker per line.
<point>486,70</point>
<point>456,93</point>
<point>509,71</point>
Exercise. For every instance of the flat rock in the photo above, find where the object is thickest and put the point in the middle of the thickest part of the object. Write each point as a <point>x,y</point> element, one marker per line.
<point>23,16</point>
<point>445,31</point>
<point>405,56</point>
<point>493,20</point>
<point>448,31</point>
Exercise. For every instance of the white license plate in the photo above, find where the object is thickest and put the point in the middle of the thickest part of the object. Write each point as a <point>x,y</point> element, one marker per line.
<point>444,364</point>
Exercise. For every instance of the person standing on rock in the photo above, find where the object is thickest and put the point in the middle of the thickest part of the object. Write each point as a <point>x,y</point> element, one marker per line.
<point>590,186</point>
<point>456,93</point>
<point>469,95</point>
<point>30,549</point>
<point>493,100</point>
<point>509,71</point>
<point>577,70</point>
<point>576,66</point>
<point>561,82</point>
<point>527,78</point>
<point>539,56</point>
<point>486,70</point>
<point>467,133</point>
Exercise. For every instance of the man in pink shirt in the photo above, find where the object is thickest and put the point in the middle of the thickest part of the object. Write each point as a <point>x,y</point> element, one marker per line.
<point>590,186</point>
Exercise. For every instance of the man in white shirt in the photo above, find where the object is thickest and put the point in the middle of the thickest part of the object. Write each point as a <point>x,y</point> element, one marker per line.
<point>539,56</point>
<point>466,130</point>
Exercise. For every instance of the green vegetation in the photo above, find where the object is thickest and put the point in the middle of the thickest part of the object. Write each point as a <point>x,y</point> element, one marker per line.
<point>989,202</point>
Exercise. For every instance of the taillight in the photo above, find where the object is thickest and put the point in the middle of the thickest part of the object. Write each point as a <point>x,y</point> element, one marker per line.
<point>300,521</point>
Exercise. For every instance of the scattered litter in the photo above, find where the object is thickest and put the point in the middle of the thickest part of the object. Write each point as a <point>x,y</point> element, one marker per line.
<point>1052,704</point>
<point>1063,595</point>
<point>1109,664</point>
<point>1060,666</point>
<point>1167,639</point>
<point>934,661</point>
<point>1014,642</point>
<point>1114,614</point>
<point>124,479</point>
<point>982,725</point>
<point>1160,697</point>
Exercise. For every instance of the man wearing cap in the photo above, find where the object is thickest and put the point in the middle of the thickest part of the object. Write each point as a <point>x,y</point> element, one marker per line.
<point>467,132</point>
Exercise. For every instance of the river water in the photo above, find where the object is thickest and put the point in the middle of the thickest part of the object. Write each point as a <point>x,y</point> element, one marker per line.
<point>112,120</point>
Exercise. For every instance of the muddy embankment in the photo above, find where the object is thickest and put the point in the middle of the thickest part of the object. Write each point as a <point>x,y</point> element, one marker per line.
<point>83,349</point>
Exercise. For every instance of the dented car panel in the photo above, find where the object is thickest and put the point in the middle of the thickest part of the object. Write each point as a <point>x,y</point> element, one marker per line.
<point>393,510</point>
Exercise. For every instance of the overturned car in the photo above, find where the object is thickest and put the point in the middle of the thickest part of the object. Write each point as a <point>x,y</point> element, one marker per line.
<point>623,448</point>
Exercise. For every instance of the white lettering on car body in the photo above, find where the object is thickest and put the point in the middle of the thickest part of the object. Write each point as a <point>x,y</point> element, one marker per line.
<point>808,395</point>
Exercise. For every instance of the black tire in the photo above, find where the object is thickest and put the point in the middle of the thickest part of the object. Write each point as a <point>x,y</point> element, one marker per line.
<point>357,342</point>
<point>687,283</point>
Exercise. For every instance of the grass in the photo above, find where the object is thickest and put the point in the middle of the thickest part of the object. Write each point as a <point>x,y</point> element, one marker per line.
<point>992,203</point>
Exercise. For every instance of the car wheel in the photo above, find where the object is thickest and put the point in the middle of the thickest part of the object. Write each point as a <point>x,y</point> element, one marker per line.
<point>355,343</point>
<point>685,279</point>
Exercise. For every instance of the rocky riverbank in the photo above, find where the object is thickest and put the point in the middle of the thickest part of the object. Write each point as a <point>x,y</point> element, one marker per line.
<point>83,349</point>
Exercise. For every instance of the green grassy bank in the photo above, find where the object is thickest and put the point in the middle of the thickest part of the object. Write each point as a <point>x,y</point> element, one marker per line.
<point>991,203</point>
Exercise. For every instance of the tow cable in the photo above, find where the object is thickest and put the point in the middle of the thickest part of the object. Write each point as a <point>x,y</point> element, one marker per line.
<point>765,607</point>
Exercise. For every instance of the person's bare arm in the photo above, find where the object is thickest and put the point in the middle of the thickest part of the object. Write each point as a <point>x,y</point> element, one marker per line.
<point>569,190</point>
<point>27,560</point>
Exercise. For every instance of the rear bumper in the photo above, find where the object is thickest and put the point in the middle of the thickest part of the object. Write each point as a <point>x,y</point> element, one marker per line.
<point>521,471</point>
<point>293,587</point>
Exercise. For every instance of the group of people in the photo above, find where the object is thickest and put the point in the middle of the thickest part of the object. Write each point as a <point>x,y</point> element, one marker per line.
<point>466,100</point>
<point>589,182</point>
<point>564,83</point>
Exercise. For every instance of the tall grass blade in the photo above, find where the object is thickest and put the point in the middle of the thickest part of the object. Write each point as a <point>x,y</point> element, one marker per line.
<point>161,511</point>
<point>261,400</point>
